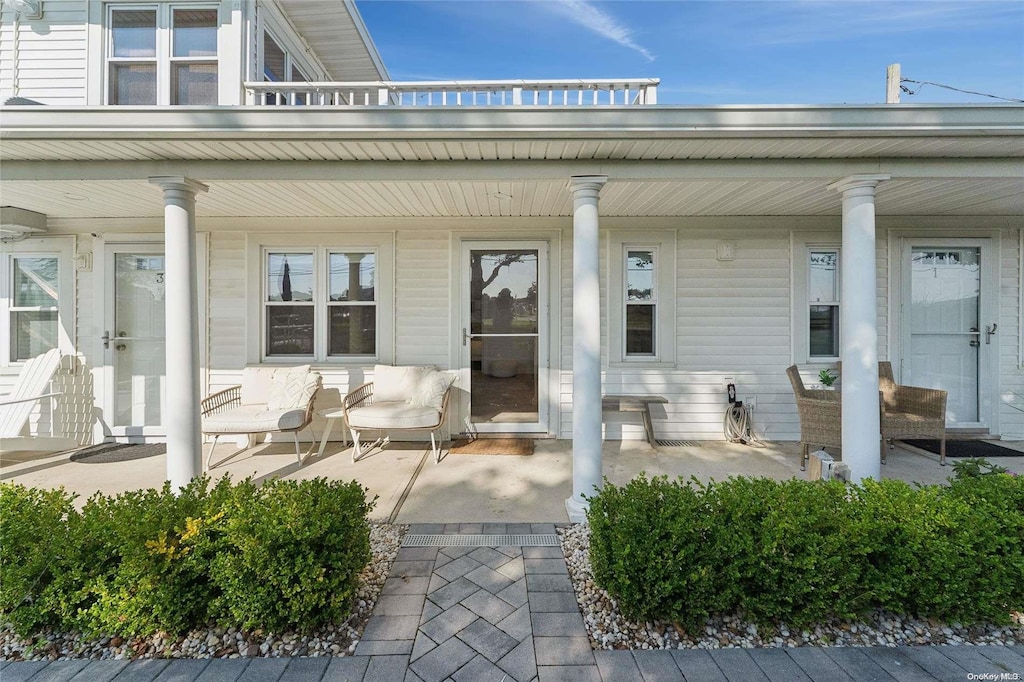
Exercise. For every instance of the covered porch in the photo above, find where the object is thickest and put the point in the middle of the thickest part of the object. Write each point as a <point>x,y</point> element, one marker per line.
<point>730,198</point>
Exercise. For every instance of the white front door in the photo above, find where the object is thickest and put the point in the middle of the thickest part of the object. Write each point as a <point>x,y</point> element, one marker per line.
<point>134,339</point>
<point>505,336</point>
<point>944,332</point>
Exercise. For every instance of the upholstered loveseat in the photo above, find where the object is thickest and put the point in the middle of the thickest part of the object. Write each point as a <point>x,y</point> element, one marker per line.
<point>398,399</point>
<point>269,400</point>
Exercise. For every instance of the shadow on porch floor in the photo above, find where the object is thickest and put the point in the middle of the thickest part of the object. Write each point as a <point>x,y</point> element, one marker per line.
<point>463,488</point>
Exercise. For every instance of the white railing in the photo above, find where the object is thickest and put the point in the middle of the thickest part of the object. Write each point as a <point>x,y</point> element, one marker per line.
<point>634,91</point>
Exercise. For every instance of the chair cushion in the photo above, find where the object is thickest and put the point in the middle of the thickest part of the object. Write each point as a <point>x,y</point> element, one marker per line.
<point>395,383</point>
<point>291,387</point>
<point>431,389</point>
<point>256,382</point>
<point>253,419</point>
<point>392,415</point>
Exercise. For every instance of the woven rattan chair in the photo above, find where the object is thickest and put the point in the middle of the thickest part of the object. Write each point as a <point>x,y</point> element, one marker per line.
<point>821,419</point>
<point>909,411</point>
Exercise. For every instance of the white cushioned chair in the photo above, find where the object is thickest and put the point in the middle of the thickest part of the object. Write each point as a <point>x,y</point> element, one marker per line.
<point>269,400</point>
<point>398,399</point>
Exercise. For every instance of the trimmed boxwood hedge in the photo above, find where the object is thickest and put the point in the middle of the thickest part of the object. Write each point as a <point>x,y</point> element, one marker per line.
<point>797,551</point>
<point>283,554</point>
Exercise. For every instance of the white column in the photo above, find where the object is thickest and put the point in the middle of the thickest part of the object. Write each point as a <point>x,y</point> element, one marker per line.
<point>184,447</point>
<point>586,344</point>
<point>858,338</point>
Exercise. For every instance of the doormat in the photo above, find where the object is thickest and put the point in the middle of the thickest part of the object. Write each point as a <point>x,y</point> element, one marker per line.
<point>966,448</point>
<point>106,453</point>
<point>492,446</point>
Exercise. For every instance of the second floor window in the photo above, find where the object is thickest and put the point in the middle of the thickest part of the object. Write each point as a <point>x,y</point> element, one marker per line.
<point>279,66</point>
<point>162,54</point>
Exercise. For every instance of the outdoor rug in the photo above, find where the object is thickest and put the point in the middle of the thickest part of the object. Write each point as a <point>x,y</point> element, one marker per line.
<point>105,453</point>
<point>966,448</point>
<point>492,446</point>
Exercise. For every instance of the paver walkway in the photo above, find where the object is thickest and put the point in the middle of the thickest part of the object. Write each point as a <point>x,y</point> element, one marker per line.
<point>473,613</point>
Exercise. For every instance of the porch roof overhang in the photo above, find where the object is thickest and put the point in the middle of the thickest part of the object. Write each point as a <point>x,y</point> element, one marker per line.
<point>410,162</point>
<point>336,33</point>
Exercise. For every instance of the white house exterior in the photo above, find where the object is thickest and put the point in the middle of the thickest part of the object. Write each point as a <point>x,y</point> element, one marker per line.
<point>655,249</point>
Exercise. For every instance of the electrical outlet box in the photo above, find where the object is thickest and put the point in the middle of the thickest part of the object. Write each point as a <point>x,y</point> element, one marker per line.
<point>727,381</point>
<point>751,403</point>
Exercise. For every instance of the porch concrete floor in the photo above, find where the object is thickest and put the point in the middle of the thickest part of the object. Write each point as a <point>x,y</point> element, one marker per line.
<point>465,488</point>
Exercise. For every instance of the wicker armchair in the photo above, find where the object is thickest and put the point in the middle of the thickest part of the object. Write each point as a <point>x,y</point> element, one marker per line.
<point>909,411</point>
<point>821,419</point>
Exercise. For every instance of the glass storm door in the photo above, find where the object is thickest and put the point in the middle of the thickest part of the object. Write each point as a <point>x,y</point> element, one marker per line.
<point>504,335</point>
<point>944,327</point>
<point>134,338</point>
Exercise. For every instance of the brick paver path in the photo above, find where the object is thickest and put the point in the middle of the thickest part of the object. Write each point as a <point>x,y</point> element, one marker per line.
<point>476,614</point>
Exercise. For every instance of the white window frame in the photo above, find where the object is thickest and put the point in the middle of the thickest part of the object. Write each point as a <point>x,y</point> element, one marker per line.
<point>291,64</point>
<point>381,245</point>
<point>663,244</point>
<point>61,248</point>
<point>802,247</point>
<point>164,45</point>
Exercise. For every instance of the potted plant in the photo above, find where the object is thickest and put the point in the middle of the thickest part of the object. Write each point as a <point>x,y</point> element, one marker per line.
<point>827,377</point>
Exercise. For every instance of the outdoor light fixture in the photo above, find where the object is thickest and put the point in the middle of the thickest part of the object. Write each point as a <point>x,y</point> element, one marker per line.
<point>26,9</point>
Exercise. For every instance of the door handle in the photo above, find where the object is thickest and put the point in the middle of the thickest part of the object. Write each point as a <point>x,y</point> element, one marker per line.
<point>465,336</point>
<point>975,334</point>
<point>989,331</point>
<point>106,339</point>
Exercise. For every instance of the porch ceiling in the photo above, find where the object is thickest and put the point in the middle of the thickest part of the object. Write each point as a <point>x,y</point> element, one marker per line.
<point>541,198</point>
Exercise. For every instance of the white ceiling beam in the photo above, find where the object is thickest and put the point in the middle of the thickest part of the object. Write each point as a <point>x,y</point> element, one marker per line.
<point>496,171</point>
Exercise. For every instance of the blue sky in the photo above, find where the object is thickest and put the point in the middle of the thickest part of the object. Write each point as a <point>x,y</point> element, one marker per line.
<point>713,52</point>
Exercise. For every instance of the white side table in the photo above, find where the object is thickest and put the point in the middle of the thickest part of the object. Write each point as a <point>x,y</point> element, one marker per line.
<point>332,415</point>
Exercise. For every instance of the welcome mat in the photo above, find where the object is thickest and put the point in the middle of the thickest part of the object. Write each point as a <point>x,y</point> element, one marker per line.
<point>106,453</point>
<point>492,446</point>
<point>966,448</point>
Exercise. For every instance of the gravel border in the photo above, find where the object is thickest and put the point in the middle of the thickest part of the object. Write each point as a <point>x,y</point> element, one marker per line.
<point>609,629</point>
<point>337,639</point>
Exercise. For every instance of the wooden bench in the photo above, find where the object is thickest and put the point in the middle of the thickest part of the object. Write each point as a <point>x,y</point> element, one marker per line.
<point>635,403</point>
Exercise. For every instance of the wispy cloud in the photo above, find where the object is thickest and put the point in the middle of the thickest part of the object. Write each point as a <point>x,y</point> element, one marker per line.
<point>584,13</point>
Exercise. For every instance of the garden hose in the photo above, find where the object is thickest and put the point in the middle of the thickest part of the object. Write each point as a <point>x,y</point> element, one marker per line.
<point>738,426</point>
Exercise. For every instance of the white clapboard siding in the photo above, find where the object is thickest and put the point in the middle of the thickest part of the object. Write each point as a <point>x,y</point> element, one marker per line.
<point>1008,335</point>
<point>49,65</point>
<point>422,298</point>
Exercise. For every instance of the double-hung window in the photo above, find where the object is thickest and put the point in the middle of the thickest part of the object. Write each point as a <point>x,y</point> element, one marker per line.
<point>816,297</point>
<point>641,303</point>
<point>162,54</point>
<point>823,303</point>
<point>35,297</point>
<point>321,303</point>
<point>642,285</point>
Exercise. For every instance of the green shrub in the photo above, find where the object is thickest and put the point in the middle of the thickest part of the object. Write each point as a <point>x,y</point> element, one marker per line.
<point>148,553</point>
<point>296,551</point>
<point>651,547</point>
<point>798,552</point>
<point>33,538</point>
<point>286,553</point>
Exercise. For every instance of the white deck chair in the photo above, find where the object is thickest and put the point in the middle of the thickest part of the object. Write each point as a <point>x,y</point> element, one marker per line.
<point>31,386</point>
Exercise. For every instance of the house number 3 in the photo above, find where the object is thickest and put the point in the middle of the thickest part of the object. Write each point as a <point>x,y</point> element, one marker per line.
<point>159,278</point>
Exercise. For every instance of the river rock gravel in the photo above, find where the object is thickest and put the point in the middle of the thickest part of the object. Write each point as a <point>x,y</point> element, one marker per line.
<point>337,639</point>
<point>609,629</point>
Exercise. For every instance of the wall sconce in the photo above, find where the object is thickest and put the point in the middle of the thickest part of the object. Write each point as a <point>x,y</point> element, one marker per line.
<point>26,9</point>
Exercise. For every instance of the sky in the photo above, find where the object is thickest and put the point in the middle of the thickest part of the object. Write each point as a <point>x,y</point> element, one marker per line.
<point>710,52</point>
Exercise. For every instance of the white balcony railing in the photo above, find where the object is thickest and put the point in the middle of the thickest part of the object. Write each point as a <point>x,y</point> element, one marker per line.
<point>634,91</point>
